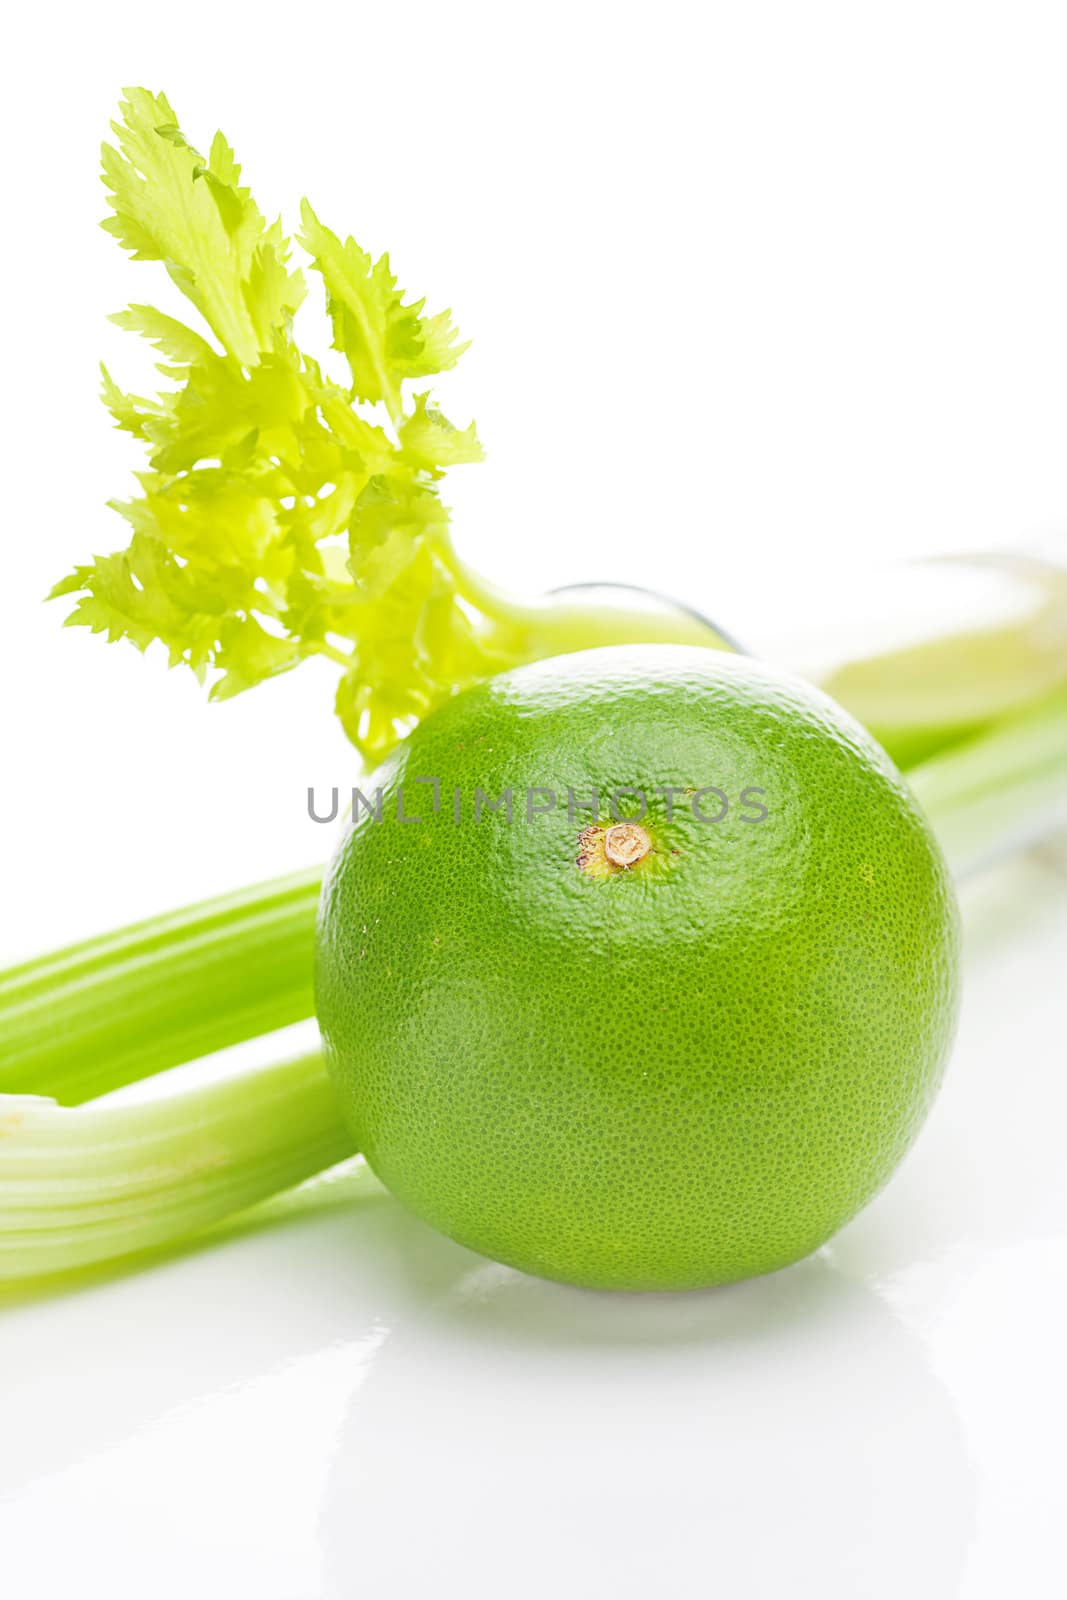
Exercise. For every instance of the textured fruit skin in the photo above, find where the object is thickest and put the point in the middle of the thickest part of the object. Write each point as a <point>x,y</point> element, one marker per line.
<point>677,1074</point>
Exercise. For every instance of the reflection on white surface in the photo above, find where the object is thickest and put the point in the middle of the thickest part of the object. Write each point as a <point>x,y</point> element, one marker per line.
<point>656,1447</point>
<point>465,1420</point>
<point>999,1347</point>
<point>349,1404</point>
<point>228,1488</point>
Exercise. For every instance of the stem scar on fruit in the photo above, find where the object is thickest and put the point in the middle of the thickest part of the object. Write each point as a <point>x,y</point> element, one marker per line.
<point>606,850</point>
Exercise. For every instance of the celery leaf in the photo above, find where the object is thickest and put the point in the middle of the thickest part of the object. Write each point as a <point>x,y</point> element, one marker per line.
<point>281,514</point>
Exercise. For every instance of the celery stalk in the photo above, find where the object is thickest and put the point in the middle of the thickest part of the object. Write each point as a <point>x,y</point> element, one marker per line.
<point>107,1180</point>
<point>1000,792</point>
<point>83,1021</point>
<point>1005,652</point>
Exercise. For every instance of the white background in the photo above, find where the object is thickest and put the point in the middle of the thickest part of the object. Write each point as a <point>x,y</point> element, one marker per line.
<point>758,294</point>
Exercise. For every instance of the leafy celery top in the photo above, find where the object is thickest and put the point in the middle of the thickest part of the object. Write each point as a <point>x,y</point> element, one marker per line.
<point>283,514</point>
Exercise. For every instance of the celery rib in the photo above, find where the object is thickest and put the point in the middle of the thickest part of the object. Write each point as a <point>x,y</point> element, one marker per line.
<point>83,1021</point>
<point>1001,792</point>
<point>81,1186</point>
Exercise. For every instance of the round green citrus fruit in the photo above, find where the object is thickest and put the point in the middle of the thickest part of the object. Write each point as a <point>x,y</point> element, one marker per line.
<point>645,1054</point>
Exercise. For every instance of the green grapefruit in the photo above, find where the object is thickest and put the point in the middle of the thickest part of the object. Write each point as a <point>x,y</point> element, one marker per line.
<point>653,1053</point>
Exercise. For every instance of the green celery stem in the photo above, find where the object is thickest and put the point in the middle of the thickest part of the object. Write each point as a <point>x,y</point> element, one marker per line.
<point>78,1187</point>
<point>86,1020</point>
<point>1000,792</point>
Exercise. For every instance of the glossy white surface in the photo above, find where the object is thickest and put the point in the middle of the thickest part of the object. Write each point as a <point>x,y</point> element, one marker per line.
<point>755,292</point>
<point>346,1403</point>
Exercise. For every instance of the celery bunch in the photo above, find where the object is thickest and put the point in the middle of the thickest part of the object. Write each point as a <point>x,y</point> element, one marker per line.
<point>285,514</point>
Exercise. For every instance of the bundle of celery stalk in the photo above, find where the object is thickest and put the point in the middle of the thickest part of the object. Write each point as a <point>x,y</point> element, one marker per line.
<point>285,514</point>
